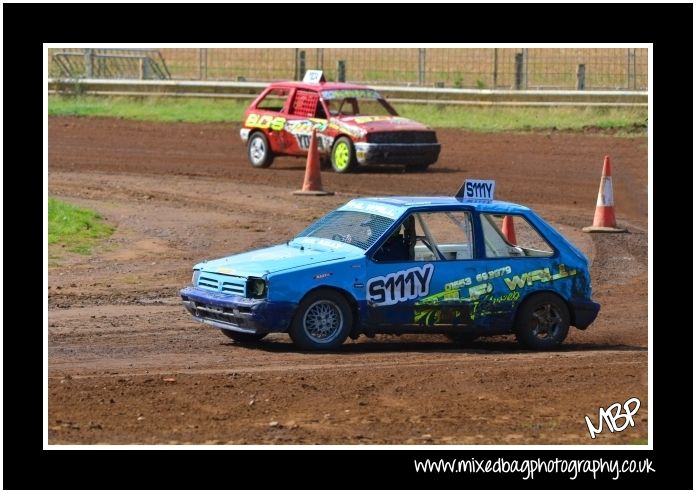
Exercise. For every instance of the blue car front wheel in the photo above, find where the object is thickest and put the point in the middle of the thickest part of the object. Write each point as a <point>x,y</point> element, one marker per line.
<point>322,322</point>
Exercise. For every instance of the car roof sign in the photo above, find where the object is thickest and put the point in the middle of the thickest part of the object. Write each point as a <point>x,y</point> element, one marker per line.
<point>476,190</point>
<point>314,77</point>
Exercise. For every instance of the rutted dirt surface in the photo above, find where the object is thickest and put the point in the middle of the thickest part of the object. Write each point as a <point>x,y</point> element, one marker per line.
<point>128,365</point>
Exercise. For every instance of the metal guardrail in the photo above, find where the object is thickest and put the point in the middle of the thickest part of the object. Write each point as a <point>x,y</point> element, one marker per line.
<point>111,64</point>
<point>399,94</point>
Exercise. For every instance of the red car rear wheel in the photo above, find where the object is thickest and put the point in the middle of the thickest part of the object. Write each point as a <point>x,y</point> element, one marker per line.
<point>259,151</point>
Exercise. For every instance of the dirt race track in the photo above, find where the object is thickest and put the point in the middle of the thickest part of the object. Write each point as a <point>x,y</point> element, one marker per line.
<point>128,365</point>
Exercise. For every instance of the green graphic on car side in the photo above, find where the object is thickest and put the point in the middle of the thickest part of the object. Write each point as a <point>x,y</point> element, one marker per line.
<point>460,303</point>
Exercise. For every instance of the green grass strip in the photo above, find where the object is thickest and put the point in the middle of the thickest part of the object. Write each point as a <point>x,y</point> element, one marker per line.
<point>498,119</point>
<point>75,228</point>
<point>475,118</point>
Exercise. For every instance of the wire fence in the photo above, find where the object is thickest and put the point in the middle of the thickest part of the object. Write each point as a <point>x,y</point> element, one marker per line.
<point>483,68</point>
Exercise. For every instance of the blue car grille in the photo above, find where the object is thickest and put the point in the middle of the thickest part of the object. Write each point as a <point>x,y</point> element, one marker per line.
<point>208,282</point>
<point>228,284</point>
<point>236,286</point>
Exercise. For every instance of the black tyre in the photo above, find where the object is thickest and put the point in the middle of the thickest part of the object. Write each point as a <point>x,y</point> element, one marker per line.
<point>462,337</point>
<point>242,337</point>
<point>322,322</point>
<point>258,151</point>
<point>343,156</point>
<point>542,321</point>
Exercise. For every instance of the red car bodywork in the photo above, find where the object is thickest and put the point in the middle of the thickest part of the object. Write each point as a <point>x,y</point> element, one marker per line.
<point>286,112</point>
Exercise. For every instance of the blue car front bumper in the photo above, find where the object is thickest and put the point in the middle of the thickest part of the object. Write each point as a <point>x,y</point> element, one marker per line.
<point>236,313</point>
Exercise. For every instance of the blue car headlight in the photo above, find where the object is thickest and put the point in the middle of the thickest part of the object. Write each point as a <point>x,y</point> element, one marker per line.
<point>195,276</point>
<point>256,288</point>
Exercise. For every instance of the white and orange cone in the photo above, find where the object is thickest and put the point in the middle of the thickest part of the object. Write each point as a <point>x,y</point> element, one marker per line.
<point>604,219</point>
<point>312,179</point>
<point>509,230</point>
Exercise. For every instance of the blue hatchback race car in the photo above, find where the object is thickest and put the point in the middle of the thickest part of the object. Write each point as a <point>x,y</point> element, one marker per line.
<point>464,266</point>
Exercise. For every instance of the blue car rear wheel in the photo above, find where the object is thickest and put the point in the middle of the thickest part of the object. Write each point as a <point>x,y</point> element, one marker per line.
<point>542,321</point>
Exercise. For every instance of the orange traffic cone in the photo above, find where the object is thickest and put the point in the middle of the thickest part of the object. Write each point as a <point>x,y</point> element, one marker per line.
<point>604,219</point>
<point>509,230</point>
<point>312,178</point>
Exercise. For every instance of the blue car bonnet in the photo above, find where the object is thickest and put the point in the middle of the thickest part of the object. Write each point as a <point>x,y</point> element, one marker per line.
<point>297,253</point>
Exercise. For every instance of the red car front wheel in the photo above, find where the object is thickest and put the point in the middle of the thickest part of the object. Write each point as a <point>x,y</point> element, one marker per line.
<point>343,156</point>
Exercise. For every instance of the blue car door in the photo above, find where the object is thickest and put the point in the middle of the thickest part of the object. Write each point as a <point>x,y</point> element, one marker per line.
<point>428,284</point>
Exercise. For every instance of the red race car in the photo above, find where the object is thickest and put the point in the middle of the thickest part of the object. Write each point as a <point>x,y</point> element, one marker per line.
<point>355,126</point>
